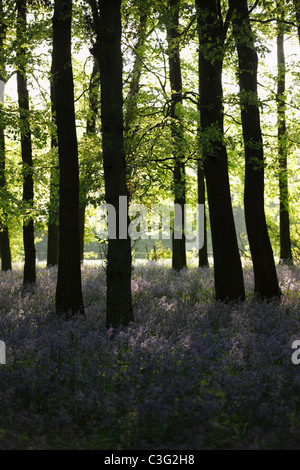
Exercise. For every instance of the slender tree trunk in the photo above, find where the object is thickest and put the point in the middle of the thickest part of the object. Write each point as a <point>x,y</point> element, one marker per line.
<point>81,221</point>
<point>297,10</point>
<point>285,240</point>
<point>52,246</point>
<point>131,111</point>
<point>53,227</point>
<point>266,282</point>
<point>203,255</point>
<point>134,87</point>
<point>228,273</point>
<point>5,250</point>
<point>109,55</point>
<point>91,133</point>
<point>26,147</point>
<point>4,232</point>
<point>173,35</point>
<point>69,289</point>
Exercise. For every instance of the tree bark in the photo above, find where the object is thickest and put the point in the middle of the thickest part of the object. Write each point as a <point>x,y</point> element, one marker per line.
<point>266,282</point>
<point>203,255</point>
<point>173,35</point>
<point>4,232</point>
<point>108,52</point>
<point>91,133</point>
<point>69,289</point>
<point>228,273</point>
<point>29,277</point>
<point>285,240</point>
<point>53,244</point>
<point>81,221</point>
<point>53,220</point>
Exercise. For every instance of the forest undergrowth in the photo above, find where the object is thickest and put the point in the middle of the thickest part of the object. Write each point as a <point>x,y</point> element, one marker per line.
<point>189,373</point>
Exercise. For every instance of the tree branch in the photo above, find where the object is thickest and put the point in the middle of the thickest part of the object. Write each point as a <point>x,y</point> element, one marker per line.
<point>95,12</point>
<point>253,7</point>
<point>269,20</point>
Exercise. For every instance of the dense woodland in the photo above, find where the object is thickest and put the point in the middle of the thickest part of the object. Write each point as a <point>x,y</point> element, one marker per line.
<point>162,102</point>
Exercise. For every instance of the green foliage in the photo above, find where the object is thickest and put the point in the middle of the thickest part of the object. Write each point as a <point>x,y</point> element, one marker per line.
<point>149,148</point>
<point>159,251</point>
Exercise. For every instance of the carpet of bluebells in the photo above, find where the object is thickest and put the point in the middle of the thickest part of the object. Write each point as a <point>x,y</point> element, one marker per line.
<point>190,373</point>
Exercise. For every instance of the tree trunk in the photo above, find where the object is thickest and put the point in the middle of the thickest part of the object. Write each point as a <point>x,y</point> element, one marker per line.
<point>26,147</point>
<point>131,101</point>
<point>203,255</point>
<point>81,221</point>
<point>173,35</point>
<point>53,228</point>
<point>285,240</point>
<point>266,282</point>
<point>91,132</point>
<point>4,232</point>
<point>228,273</point>
<point>5,250</point>
<point>69,290</point>
<point>109,55</point>
<point>53,244</point>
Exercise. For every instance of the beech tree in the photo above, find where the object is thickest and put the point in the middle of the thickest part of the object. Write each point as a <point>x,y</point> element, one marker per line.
<point>284,223</point>
<point>69,290</point>
<point>203,252</point>
<point>107,50</point>
<point>131,100</point>
<point>266,282</point>
<point>26,146</point>
<point>228,272</point>
<point>4,231</point>
<point>53,223</point>
<point>173,37</point>
<point>91,131</point>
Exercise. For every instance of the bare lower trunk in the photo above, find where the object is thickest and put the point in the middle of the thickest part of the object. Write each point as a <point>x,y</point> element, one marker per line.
<point>203,255</point>
<point>266,282</point>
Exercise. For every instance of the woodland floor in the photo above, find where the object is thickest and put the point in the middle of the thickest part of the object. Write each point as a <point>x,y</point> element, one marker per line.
<point>189,373</point>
